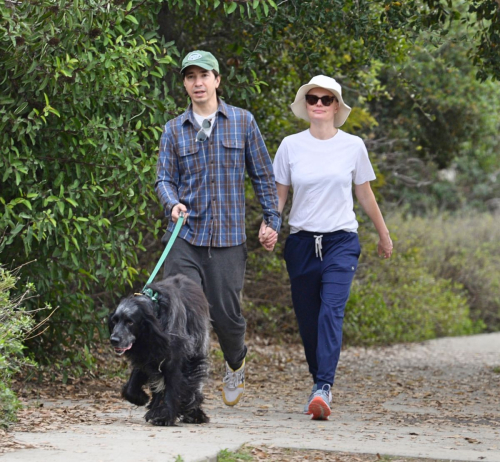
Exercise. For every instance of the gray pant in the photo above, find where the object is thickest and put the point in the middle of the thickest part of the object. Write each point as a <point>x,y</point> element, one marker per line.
<point>220,271</point>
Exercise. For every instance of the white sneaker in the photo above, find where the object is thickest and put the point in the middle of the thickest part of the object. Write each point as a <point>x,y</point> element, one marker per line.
<point>233,385</point>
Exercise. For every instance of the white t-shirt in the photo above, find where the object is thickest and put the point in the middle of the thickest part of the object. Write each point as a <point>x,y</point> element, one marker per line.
<point>321,173</point>
<point>199,118</point>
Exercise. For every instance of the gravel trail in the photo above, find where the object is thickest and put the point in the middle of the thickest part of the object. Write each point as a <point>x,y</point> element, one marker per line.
<point>438,399</point>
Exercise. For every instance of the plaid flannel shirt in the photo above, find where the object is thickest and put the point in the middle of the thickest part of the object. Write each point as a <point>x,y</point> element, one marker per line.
<point>209,177</point>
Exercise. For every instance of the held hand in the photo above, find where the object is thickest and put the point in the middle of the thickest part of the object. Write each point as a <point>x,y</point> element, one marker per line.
<point>176,211</point>
<point>267,237</point>
<point>385,247</point>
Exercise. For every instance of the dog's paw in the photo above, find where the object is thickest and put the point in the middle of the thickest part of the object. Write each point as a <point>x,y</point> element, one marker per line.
<point>195,416</point>
<point>139,398</point>
<point>161,416</point>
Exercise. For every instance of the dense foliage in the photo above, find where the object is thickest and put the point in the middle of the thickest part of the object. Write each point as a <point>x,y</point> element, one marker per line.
<point>402,301</point>
<point>82,107</point>
<point>439,137</point>
<point>15,325</point>
<point>462,248</point>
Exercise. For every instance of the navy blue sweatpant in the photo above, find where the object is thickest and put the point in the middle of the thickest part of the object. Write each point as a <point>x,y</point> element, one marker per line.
<point>320,289</point>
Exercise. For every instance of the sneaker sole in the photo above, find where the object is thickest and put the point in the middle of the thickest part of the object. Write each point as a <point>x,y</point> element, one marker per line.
<point>319,409</point>
<point>235,401</point>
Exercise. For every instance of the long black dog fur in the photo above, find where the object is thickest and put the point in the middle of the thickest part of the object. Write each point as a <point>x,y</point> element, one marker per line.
<point>167,347</point>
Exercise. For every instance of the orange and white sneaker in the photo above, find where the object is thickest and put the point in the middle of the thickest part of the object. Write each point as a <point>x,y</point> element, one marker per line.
<point>319,406</point>
<point>233,385</point>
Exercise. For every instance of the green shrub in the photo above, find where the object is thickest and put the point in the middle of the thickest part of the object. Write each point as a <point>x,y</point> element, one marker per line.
<point>399,300</point>
<point>464,249</point>
<point>82,106</point>
<point>15,324</point>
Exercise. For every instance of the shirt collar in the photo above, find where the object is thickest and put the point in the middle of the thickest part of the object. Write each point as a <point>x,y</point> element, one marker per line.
<point>189,116</point>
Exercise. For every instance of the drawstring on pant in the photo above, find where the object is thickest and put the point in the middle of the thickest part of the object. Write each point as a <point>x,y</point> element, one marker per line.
<point>318,246</point>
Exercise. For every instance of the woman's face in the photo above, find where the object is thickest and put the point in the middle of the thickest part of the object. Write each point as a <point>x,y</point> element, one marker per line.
<point>319,112</point>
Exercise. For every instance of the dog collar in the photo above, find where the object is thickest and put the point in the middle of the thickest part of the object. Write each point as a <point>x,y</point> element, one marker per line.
<point>154,296</point>
<point>151,294</point>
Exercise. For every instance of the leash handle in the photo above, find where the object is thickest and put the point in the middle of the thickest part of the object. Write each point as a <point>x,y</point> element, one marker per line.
<point>167,250</point>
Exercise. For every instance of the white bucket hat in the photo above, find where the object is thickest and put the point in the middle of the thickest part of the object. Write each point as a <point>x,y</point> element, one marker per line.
<point>322,81</point>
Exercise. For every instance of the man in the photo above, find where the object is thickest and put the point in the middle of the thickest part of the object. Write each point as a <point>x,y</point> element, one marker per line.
<point>201,173</point>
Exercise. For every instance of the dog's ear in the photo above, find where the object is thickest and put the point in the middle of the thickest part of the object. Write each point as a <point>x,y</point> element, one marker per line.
<point>172,311</point>
<point>151,324</point>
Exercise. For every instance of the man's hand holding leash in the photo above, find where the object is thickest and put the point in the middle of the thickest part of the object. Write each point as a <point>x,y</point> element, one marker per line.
<point>176,212</point>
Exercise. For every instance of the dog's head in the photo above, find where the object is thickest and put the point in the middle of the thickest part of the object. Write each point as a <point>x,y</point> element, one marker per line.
<point>126,324</point>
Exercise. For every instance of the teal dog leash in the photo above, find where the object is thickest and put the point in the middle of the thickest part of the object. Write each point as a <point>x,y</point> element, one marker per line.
<point>149,292</point>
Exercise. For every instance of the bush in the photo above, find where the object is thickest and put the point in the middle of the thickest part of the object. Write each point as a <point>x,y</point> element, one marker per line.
<point>82,106</point>
<point>400,300</point>
<point>15,325</point>
<point>463,249</point>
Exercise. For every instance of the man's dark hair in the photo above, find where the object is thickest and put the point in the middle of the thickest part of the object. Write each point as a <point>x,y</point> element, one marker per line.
<point>218,91</point>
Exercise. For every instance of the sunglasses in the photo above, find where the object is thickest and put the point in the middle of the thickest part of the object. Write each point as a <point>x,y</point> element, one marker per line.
<point>202,134</point>
<point>325,100</point>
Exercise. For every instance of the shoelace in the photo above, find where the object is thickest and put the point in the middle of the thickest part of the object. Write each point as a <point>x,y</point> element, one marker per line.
<point>318,245</point>
<point>325,393</point>
<point>233,378</point>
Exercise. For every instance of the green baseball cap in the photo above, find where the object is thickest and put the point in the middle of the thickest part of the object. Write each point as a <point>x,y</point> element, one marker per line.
<point>203,59</point>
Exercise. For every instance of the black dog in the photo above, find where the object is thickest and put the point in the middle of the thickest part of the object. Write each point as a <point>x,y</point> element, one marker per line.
<point>167,343</point>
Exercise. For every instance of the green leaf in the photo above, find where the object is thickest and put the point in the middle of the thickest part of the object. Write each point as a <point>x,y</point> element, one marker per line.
<point>132,19</point>
<point>21,108</point>
<point>231,8</point>
<point>17,229</point>
<point>60,205</point>
<point>75,260</point>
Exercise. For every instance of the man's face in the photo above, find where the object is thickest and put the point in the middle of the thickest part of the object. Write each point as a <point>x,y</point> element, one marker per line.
<point>201,85</point>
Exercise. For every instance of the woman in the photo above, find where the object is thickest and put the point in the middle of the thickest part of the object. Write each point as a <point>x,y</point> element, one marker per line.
<point>322,250</point>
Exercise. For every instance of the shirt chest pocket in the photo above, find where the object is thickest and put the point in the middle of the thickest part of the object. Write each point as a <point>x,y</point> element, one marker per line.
<point>191,161</point>
<point>233,153</point>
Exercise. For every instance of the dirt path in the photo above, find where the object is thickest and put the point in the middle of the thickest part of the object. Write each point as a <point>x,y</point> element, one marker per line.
<point>438,399</point>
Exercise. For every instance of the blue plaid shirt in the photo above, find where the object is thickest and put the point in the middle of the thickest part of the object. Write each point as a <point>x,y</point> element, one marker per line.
<point>209,177</point>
